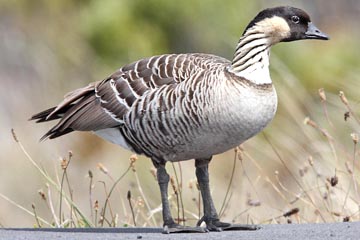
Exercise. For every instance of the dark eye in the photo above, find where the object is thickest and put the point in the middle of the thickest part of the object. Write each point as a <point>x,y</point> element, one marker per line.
<point>295,19</point>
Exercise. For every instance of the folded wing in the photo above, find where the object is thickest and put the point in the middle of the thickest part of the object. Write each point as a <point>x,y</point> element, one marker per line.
<point>104,104</point>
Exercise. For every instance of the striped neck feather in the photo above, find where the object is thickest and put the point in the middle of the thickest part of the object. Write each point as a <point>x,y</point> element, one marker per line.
<point>251,58</point>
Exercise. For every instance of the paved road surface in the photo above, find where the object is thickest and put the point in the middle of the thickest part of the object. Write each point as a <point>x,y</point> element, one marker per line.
<point>332,231</point>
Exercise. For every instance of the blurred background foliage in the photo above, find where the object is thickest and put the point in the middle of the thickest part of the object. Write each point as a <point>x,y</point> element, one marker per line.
<point>48,48</point>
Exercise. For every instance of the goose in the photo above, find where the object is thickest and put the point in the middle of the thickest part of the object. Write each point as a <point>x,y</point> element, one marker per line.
<point>177,107</point>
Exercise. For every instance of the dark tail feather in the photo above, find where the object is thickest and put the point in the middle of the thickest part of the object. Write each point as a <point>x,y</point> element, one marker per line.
<point>67,113</point>
<point>42,116</point>
<point>49,115</point>
<point>79,111</point>
<point>52,133</point>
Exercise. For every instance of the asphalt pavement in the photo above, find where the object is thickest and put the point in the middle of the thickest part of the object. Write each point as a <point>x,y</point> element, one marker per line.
<point>323,231</point>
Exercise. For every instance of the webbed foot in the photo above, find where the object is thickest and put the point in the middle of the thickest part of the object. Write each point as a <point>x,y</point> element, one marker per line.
<point>241,227</point>
<point>217,226</point>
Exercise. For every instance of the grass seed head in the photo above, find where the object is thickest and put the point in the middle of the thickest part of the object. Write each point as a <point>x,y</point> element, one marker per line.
<point>96,205</point>
<point>173,185</point>
<point>337,214</point>
<point>42,194</point>
<point>291,212</point>
<point>239,154</point>
<point>308,121</point>
<point>311,160</point>
<point>70,154</point>
<point>102,168</point>
<point>140,202</point>
<point>334,181</point>
<point>133,159</point>
<point>355,137</point>
<point>346,116</point>
<point>322,94</point>
<point>64,163</point>
<point>14,135</point>
<point>343,98</point>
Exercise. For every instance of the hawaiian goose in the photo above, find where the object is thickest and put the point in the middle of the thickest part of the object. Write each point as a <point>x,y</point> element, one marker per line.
<point>187,106</point>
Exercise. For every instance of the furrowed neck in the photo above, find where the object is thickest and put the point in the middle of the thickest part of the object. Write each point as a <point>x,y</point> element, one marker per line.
<point>251,57</point>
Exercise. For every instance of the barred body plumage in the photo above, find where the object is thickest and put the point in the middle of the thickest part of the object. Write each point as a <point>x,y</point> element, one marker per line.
<point>170,107</point>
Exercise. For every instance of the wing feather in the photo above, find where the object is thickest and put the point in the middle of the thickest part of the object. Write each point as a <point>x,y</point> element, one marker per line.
<point>104,104</point>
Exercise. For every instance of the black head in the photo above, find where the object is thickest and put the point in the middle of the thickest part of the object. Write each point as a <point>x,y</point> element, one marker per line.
<point>286,24</point>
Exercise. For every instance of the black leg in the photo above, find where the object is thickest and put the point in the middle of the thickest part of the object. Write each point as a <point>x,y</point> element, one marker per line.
<point>211,217</point>
<point>163,180</point>
<point>169,224</point>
